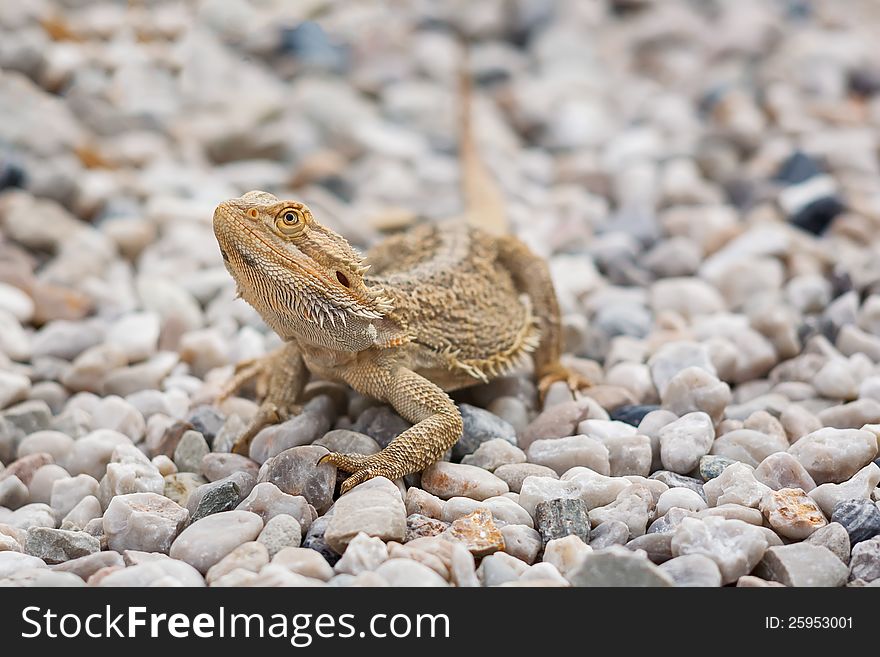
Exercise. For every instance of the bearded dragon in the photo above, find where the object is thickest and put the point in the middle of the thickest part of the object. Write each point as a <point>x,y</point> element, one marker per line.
<point>440,307</point>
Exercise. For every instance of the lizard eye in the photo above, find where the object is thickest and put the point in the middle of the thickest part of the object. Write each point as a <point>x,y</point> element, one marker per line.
<point>290,222</point>
<point>342,278</point>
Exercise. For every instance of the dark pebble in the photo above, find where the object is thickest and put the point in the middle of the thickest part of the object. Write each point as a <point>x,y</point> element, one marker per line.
<point>562,517</point>
<point>674,480</point>
<point>207,421</point>
<point>314,540</point>
<point>224,497</point>
<point>381,424</point>
<point>860,518</point>
<point>632,413</point>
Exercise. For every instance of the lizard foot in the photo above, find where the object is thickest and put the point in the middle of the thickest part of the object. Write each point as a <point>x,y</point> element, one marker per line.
<point>361,467</point>
<point>245,372</point>
<point>267,414</point>
<point>559,372</point>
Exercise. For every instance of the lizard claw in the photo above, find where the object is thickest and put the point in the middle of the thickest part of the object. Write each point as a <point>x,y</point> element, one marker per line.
<point>245,372</point>
<point>361,467</point>
<point>559,372</point>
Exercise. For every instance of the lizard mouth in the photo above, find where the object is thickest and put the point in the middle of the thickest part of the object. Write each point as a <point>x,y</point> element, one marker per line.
<point>341,298</point>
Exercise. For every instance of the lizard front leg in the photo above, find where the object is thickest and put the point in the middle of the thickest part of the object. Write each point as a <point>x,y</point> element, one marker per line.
<point>437,424</point>
<point>285,375</point>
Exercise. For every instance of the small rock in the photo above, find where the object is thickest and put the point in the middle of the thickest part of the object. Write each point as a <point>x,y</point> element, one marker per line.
<point>216,497</point>
<point>58,545</point>
<point>683,498</point>
<point>566,553</point>
<point>735,546</point>
<point>373,507</point>
<point>66,493</point>
<point>477,532</point>
<point>782,470</point>
<point>143,521</point>
<point>685,441</point>
<point>267,501</point>
<point>693,570</point>
<point>791,513</point>
<point>87,509</point>
<point>736,485</point>
<point>363,553</point>
<point>447,480</point>
<point>633,506</point>
<point>617,566</point>
<point>295,471</point>
<point>208,540</point>
<point>859,487</point>
<point>835,455</point>
<point>348,442</point>
<point>562,517</point>
<point>561,454</point>
<point>298,431</point>
<point>802,564</point>
<point>865,560</point>
<point>305,562</point>
<point>190,451</point>
<point>218,465</point>
<point>86,566</point>
<point>522,542</point>
<point>610,532</point>
<point>250,556</point>
<point>423,503</point>
<point>515,473</point>
<point>494,453</point>
<point>673,480</point>
<point>405,572</point>
<point>834,537</point>
<point>381,423</point>
<point>419,526</point>
<point>280,532</point>
<point>860,518</point>
<point>13,493</point>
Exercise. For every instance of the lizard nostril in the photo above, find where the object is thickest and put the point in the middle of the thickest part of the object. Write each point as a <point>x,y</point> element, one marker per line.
<point>341,278</point>
<point>253,214</point>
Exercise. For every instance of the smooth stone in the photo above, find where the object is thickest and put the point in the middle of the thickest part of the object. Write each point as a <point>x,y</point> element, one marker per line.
<point>480,426</point>
<point>610,532</point>
<point>364,553</point>
<point>633,506</point>
<point>207,421</point>
<point>494,453</point>
<point>115,414</point>
<point>684,441</point>
<point>280,532</point>
<point>860,518</point>
<point>423,503</point>
<point>295,471</point>
<point>748,446</point>
<point>40,488</point>
<point>305,562</point>
<point>865,561</point>
<point>733,512</point>
<point>13,493</point>
<point>522,542</point>
<point>446,480</point>
<point>658,546</point>
<point>694,389</point>
<point>803,564</point>
<point>735,546</point>
<point>782,470</point>
<point>558,518</point>
<point>834,537</point>
<point>267,501</point>
<point>190,451</point>
<point>566,554</point>
<point>478,533</point>
<point>539,489</point>
<point>143,521</point>
<point>736,485</point>
<point>562,454</point>
<point>618,566</point>
<point>54,443</point>
<point>161,572</point>
<point>693,570</point>
<point>419,526</point>
<point>85,566</point>
<point>91,453</point>
<point>298,431</point>
<point>66,493</point>
<point>13,562</point>
<point>344,441</point>
<point>250,556</point>
<point>31,515</point>
<point>629,455</point>
<point>791,513</point>
<point>632,414</point>
<point>505,511</point>
<point>206,541</point>
<point>87,509</point>
<point>560,421</point>
<point>514,474</point>
<point>58,545</point>
<point>374,507</point>
<point>219,465</point>
<point>859,487</point>
<point>405,572</point>
<point>835,455</point>
<point>381,423</point>
<point>500,568</point>
<point>24,467</point>
<point>674,480</point>
<point>682,498</point>
<point>598,490</point>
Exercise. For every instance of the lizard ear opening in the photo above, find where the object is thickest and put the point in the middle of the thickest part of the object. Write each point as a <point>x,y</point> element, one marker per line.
<point>342,278</point>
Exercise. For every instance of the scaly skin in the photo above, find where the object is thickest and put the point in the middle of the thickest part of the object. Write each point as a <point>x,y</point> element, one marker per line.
<point>445,306</point>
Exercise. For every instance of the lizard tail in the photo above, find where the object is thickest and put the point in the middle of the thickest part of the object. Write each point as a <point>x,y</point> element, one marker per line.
<point>484,203</point>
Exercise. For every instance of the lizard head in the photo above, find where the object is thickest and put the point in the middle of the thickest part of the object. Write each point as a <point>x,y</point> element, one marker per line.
<point>305,280</point>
